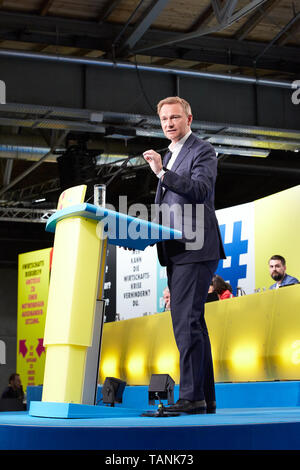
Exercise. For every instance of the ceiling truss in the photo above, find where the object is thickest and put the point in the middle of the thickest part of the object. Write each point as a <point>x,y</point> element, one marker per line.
<point>33,131</point>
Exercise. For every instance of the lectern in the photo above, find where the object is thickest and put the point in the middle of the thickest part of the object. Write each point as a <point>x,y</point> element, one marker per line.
<point>75,311</point>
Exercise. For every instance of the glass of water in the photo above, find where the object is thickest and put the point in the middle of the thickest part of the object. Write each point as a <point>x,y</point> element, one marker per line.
<point>99,195</point>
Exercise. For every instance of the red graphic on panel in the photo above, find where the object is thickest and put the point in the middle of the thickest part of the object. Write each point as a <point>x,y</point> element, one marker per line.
<point>40,347</point>
<point>22,347</point>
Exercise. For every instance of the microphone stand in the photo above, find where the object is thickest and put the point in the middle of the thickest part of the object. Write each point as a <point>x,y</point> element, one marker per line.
<point>160,408</point>
<point>125,163</point>
<point>122,166</point>
<point>161,411</point>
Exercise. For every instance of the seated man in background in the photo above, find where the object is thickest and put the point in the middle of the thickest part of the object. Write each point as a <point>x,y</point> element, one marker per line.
<point>277,268</point>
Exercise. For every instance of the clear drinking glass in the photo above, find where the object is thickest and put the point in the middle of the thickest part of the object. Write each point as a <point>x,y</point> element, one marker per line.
<point>99,194</point>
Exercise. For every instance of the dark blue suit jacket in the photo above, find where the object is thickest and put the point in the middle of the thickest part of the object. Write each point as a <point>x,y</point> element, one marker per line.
<point>191,181</point>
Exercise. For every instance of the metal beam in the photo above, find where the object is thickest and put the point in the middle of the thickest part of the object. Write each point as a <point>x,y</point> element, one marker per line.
<point>34,166</point>
<point>278,36</point>
<point>33,191</point>
<point>108,8</point>
<point>223,13</point>
<point>7,171</point>
<point>229,8</point>
<point>91,35</point>
<point>208,49</point>
<point>104,63</point>
<point>215,97</point>
<point>208,30</point>
<point>16,214</point>
<point>217,10</point>
<point>288,34</point>
<point>46,7</point>
<point>144,23</point>
<point>9,20</point>
<point>255,19</point>
<point>126,25</point>
<point>204,18</point>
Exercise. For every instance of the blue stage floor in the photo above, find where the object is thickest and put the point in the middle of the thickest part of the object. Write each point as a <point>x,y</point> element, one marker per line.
<point>237,427</point>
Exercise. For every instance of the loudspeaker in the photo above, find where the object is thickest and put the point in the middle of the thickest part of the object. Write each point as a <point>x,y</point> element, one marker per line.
<point>161,387</point>
<point>112,390</point>
<point>76,166</point>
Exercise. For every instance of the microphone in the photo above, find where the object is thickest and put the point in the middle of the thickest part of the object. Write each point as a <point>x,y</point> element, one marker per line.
<point>162,150</point>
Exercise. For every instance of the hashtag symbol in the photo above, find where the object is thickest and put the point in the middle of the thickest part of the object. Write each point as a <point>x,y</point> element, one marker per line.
<point>235,271</point>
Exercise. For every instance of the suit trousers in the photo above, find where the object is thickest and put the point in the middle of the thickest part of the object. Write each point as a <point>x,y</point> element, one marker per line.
<point>188,284</point>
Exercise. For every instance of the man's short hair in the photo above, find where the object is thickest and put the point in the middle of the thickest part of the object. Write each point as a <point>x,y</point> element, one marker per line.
<point>278,258</point>
<point>175,100</point>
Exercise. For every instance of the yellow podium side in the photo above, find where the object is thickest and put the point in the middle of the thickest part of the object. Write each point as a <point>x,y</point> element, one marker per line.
<point>77,266</point>
<point>71,307</point>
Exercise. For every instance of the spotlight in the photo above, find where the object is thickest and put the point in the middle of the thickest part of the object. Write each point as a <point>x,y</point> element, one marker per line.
<point>112,390</point>
<point>161,387</point>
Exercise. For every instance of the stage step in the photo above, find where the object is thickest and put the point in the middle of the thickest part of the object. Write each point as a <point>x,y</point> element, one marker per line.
<point>228,395</point>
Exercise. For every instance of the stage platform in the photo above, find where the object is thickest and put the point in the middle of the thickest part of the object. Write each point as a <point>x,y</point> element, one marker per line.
<point>250,416</point>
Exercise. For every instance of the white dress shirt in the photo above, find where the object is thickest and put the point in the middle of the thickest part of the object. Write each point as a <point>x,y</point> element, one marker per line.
<point>174,148</point>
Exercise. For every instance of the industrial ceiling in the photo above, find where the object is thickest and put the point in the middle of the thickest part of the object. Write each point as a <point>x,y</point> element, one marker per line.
<point>87,75</point>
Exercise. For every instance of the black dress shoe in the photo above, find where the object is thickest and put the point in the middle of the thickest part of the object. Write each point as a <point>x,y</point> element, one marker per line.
<point>211,407</point>
<point>187,406</point>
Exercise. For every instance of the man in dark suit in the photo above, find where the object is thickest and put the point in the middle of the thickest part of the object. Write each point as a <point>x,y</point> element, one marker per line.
<point>187,178</point>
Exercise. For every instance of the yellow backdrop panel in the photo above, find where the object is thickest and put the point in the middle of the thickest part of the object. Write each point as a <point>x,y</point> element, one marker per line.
<point>284,344</point>
<point>33,286</point>
<point>134,349</point>
<point>247,321</point>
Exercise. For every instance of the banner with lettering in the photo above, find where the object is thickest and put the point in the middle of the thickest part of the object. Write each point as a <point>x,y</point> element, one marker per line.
<point>136,282</point>
<point>33,285</point>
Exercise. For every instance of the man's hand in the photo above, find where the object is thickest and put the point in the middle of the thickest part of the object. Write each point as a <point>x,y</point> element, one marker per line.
<point>154,160</point>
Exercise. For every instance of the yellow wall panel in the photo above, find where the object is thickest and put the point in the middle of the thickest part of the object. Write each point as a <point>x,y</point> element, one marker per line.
<point>73,287</point>
<point>216,319</point>
<point>246,338</point>
<point>134,349</point>
<point>254,338</point>
<point>164,356</point>
<point>284,345</point>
